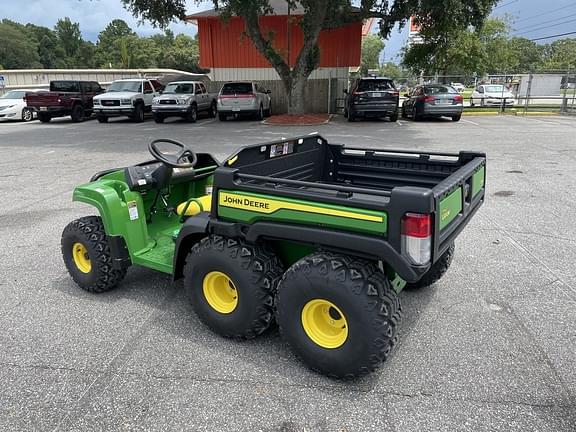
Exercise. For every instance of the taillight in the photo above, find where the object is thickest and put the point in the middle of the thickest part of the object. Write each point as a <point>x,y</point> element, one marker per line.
<point>417,237</point>
<point>430,99</point>
<point>394,93</point>
<point>458,99</point>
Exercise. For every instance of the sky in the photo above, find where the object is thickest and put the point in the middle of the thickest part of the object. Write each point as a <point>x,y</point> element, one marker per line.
<point>531,18</point>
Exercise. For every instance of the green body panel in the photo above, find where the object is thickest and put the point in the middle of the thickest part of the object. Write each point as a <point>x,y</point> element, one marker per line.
<point>149,238</point>
<point>290,252</point>
<point>450,207</point>
<point>322,218</point>
<point>478,181</point>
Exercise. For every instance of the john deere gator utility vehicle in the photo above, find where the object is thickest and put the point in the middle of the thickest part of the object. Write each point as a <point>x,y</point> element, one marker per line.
<point>319,237</point>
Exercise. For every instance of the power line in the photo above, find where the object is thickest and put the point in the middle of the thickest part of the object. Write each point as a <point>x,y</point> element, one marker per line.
<point>570,5</point>
<point>545,27</point>
<point>545,22</point>
<point>505,4</point>
<point>553,36</point>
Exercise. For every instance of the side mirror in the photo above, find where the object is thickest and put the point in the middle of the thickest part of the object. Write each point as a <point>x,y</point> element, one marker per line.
<point>160,91</point>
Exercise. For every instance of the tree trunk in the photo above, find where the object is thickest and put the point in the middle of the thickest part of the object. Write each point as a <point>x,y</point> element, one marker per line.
<point>297,99</point>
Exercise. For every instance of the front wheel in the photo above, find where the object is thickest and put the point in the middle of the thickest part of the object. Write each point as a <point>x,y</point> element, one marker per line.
<point>435,273</point>
<point>192,115</point>
<point>87,255</point>
<point>231,285</point>
<point>77,114</point>
<point>213,110</point>
<point>138,116</point>
<point>27,114</point>
<point>158,118</point>
<point>102,119</point>
<point>260,114</point>
<point>338,313</point>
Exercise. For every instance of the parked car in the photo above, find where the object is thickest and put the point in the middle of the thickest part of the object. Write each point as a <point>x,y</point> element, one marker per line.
<point>371,97</point>
<point>127,97</point>
<point>491,95</point>
<point>433,100</point>
<point>458,86</point>
<point>13,106</point>
<point>65,98</point>
<point>244,98</point>
<point>183,99</point>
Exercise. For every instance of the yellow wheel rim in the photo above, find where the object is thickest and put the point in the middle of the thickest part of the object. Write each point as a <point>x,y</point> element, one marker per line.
<point>324,323</point>
<point>220,292</point>
<point>81,258</point>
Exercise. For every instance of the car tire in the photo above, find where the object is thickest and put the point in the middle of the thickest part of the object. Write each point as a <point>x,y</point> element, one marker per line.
<point>192,115</point>
<point>222,117</point>
<point>158,118</point>
<point>416,116</point>
<point>394,117</point>
<point>27,114</point>
<point>456,117</point>
<point>102,119</point>
<point>339,314</point>
<point>434,273</point>
<point>345,113</point>
<point>77,113</point>
<point>403,113</point>
<point>44,117</point>
<point>268,112</point>
<point>260,113</point>
<point>231,285</point>
<point>213,111</point>
<point>138,113</point>
<point>87,255</point>
<point>351,116</point>
<point>472,102</point>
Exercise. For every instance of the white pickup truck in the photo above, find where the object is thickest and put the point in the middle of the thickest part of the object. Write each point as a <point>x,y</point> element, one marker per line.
<point>127,97</point>
<point>183,99</point>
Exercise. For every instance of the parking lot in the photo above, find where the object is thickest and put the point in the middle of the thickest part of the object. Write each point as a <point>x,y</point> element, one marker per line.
<point>489,347</point>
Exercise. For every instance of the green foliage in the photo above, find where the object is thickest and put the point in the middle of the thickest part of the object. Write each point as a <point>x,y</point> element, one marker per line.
<point>70,39</point>
<point>372,46</point>
<point>560,55</point>
<point>17,49</point>
<point>392,70</point>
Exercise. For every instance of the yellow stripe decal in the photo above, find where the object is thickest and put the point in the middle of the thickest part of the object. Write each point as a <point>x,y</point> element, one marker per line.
<point>268,206</point>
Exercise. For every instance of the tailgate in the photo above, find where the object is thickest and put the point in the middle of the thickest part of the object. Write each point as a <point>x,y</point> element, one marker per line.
<point>457,198</point>
<point>42,99</point>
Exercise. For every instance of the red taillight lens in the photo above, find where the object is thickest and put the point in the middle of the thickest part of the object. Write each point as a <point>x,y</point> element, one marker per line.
<point>394,93</point>
<point>429,99</point>
<point>417,225</point>
<point>458,99</point>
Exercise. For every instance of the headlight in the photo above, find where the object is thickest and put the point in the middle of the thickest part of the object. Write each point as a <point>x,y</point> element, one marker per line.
<point>183,101</point>
<point>126,101</point>
<point>155,101</point>
<point>7,107</point>
<point>96,101</point>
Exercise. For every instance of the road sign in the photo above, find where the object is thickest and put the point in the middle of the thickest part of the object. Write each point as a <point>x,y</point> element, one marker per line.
<point>1,81</point>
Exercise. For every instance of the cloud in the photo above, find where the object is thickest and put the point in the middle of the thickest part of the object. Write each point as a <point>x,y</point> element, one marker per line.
<point>92,15</point>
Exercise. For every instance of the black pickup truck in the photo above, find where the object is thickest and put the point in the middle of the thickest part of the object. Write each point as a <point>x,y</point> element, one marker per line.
<point>69,97</point>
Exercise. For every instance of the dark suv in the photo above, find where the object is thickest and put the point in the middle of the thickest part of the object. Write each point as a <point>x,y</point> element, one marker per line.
<point>371,97</point>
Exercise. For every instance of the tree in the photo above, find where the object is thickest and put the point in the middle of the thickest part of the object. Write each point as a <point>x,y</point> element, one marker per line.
<point>70,39</point>
<point>441,15</point>
<point>182,54</point>
<point>108,50</point>
<point>392,70</point>
<point>372,46</point>
<point>560,55</point>
<point>17,49</point>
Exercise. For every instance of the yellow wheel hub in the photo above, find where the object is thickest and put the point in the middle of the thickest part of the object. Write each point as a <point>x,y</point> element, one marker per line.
<point>81,258</point>
<point>324,323</point>
<point>220,292</point>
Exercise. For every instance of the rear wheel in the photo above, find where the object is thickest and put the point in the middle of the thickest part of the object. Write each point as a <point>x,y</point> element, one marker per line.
<point>456,117</point>
<point>338,313</point>
<point>77,114</point>
<point>231,285</point>
<point>44,117</point>
<point>27,114</point>
<point>394,117</point>
<point>102,119</point>
<point>416,114</point>
<point>87,255</point>
<point>351,116</point>
<point>213,110</point>
<point>435,273</point>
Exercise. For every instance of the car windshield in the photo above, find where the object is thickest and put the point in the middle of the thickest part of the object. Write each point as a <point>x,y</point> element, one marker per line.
<point>375,85</point>
<point>432,90</point>
<point>236,88</point>
<point>494,88</point>
<point>64,86</point>
<point>129,86</point>
<point>13,95</point>
<point>180,88</point>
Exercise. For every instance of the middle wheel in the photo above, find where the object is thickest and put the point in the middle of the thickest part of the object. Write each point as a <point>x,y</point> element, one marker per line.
<point>231,285</point>
<point>338,313</point>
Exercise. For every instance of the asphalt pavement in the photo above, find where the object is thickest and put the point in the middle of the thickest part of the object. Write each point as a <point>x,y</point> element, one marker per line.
<point>491,347</point>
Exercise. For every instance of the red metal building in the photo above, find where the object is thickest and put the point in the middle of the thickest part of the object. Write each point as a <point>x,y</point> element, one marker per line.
<point>230,54</point>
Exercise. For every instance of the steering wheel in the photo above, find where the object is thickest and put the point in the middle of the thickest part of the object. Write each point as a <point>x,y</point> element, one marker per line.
<point>173,160</point>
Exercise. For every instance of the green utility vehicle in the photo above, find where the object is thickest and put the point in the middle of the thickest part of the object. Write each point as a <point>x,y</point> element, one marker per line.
<point>317,237</point>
